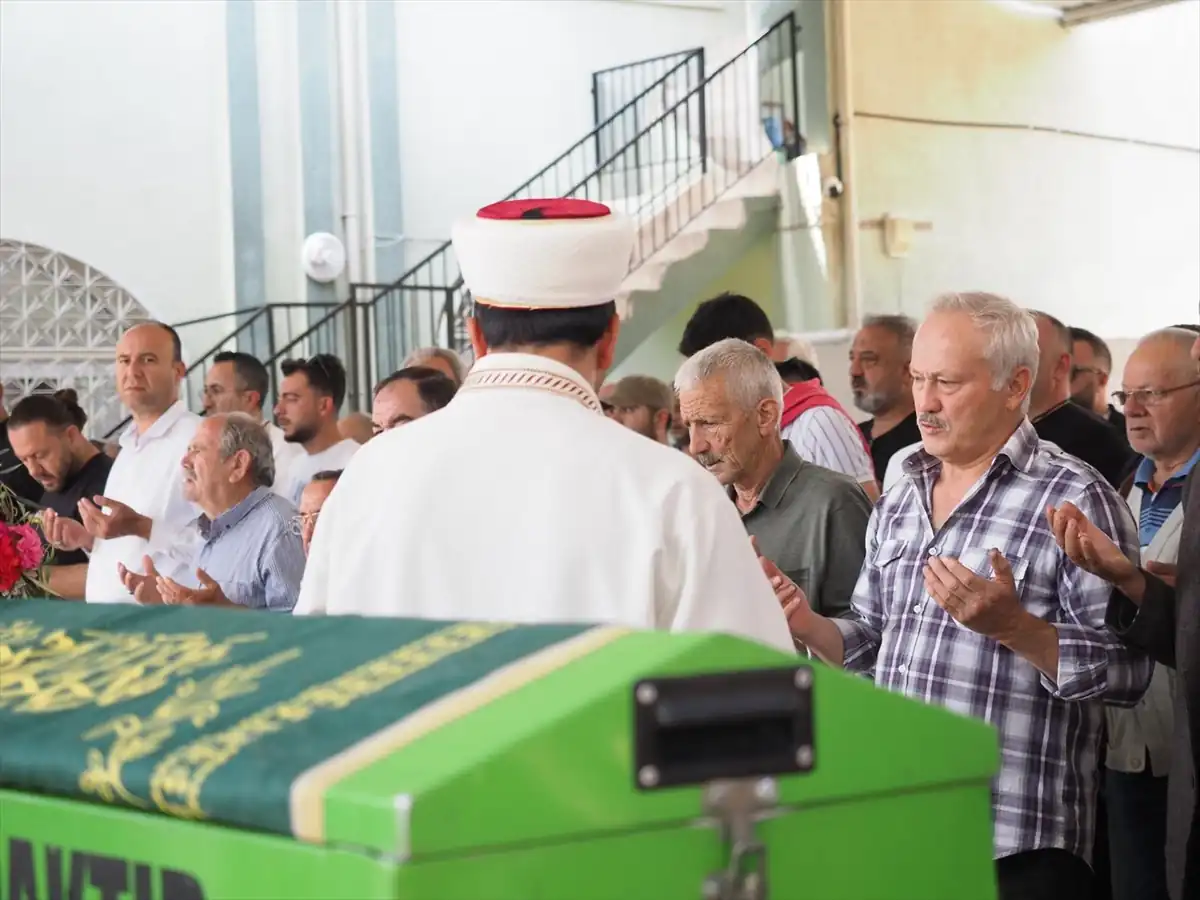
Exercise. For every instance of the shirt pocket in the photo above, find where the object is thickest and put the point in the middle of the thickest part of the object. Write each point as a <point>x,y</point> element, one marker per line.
<point>1036,594</point>
<point>889,562</point>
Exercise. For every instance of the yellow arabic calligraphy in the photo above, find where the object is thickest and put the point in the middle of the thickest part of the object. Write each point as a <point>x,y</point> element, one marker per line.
<point>177,780</point>
<point>135,737</point>
<point>46,673</point>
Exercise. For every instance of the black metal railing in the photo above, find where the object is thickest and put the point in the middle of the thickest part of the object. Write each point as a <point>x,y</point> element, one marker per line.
<point>678,145</point>
<point>626,97</point>
<point>660,172</point>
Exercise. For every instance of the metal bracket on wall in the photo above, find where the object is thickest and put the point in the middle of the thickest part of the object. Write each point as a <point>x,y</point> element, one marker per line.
<point>737,805</point>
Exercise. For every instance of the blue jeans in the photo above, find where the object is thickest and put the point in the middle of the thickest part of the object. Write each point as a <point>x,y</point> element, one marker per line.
<point>1137,834</point>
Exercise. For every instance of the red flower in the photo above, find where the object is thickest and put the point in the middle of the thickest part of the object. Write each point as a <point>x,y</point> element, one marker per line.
<point>10,561</point>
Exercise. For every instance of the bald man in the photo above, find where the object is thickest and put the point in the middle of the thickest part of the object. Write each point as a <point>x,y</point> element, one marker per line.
<point>143,511</point>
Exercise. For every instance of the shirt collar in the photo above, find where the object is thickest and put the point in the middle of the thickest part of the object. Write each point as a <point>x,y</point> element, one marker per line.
<point>529,371</point>
<point>781,479</point>
<point>1145,471</point>
<point>131,439</point>
<point>213,528</point>
<point>1020,450</point>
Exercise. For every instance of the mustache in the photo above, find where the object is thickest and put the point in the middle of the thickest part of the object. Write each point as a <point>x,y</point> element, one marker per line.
<point>857,381</point>
<point>708,459</point>
<point>932,421</point>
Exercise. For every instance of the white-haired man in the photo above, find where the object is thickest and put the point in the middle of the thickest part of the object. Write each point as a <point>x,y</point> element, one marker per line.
<point>441,359</point>
<point>811,521</point>
<point>576,518</point>
<point>967,602</point>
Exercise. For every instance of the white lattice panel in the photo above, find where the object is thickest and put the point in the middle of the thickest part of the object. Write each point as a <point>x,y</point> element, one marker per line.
<point>60,320</point>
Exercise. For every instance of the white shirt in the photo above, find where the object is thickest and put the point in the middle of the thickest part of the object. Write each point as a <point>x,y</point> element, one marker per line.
<point>894,468</point>
<point>826,437</point>
<point>521,502</point>
<point>147,476</point>
<point>304,466</point>
<point>286,454</point>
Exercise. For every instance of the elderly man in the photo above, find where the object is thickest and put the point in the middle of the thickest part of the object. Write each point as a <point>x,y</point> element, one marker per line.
<point>249,556</point>
<point>410,394</point>
<point>1163,408</point>
<point>966,601</point>
<point>813,421</point>
<point>239,382</point>
<point>312,499</point>
<point>881,385</point>
<point>1079,432</point>
<point>1157,607</point>
<point>809,520</point>
<point>642,404</point>
<point>574,520</point>
<point>440,359</point>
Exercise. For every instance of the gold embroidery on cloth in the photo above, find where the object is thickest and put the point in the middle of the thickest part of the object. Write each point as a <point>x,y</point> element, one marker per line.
<point>535,379</point>
<point>54,672</point>
<point>179,777</point>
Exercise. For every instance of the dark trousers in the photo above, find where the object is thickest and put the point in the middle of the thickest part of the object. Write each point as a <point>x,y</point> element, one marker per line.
<point>1137,834</point>
<point>1050,874</point>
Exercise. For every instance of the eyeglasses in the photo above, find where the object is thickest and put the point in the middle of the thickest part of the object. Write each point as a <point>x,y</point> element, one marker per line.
<point>1150,396</point>
<point>296,523</point>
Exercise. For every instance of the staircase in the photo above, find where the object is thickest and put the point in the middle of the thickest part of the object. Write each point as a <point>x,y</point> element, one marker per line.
<point>692,157</point>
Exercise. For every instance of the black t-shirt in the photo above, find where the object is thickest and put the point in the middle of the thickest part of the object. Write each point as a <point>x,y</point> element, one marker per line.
<point>884,447</point>
<point>88,482</point>
<point>1084,434</point>
<point>13,474</point>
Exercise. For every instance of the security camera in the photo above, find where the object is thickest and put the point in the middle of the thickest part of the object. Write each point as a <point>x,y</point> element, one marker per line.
<point>833,187</point>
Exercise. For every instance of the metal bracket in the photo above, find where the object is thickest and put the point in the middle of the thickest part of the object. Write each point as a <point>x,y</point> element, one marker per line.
<point>737,805</point>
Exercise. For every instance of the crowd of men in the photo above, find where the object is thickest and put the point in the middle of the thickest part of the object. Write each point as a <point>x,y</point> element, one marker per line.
<point>995,538</point>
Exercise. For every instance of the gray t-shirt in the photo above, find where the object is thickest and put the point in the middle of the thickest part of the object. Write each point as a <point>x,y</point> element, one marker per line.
<point>812,523</point>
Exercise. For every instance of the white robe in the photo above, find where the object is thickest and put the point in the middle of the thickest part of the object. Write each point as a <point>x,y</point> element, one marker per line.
<point>521,502</point>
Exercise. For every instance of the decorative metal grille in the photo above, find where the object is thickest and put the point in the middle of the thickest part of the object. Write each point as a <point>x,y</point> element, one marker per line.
<point>60,320</point>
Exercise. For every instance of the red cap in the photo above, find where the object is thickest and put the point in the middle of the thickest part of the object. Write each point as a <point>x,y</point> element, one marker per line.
<point>556,208</point>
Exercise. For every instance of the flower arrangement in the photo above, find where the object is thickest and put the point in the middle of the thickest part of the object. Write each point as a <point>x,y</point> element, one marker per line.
<point>23,554</point>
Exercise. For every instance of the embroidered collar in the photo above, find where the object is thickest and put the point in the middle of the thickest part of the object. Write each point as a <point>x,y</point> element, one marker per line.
<point>525,370</point>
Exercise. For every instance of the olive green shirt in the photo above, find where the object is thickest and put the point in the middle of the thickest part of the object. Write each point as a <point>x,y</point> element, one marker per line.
<point>812,523</point>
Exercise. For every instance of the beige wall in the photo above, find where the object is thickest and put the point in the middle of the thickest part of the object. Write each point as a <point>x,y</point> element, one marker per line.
<point>1101,233</point>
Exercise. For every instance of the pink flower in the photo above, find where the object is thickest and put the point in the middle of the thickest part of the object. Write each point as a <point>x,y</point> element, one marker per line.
<point>29,546</point>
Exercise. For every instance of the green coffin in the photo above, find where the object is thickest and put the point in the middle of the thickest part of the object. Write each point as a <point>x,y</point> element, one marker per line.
<point>182,754</point>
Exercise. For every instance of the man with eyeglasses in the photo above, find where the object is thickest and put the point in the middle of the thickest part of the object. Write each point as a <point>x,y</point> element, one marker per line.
<point>1161,395</point>
<point>312,498</point>
<point>238,382</point>
<point>1076,430</point>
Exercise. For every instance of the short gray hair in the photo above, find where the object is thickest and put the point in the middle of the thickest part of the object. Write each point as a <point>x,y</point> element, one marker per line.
<point>424,354</point>
<point>242,432</point>
<point>1011,333</point>
<point>749,374</point>
<point>904,328</point>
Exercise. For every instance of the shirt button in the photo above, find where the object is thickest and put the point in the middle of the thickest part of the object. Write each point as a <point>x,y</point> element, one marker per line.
<point>917,607</point>
<point>1136,763</point>
<point>933,551</point>
<point>901,667</point>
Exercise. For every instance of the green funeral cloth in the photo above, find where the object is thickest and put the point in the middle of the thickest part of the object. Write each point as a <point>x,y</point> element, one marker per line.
<point>213,714</point>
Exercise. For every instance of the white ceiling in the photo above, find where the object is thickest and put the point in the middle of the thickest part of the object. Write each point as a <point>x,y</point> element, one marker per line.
<point>1077,12</point>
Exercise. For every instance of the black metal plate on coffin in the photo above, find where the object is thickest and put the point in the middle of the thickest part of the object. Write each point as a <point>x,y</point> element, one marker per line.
<point>698,728</point>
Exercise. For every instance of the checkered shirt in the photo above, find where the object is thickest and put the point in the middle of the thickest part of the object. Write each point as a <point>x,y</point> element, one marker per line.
<point>1049,730</point>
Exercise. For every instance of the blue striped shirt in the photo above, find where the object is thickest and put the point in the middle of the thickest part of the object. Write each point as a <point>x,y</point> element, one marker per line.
<point>251,552</point>
<point>1157,506</point>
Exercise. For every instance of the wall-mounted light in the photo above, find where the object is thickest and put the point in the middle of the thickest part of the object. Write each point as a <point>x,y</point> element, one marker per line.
<point>324,257</point>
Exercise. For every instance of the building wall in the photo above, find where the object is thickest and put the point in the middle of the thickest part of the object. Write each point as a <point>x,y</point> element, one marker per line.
<point>114,144</point>
<point>1101,233</point>
<point>492,92</point>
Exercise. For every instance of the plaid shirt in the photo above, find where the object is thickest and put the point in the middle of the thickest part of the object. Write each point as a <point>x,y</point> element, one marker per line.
<point>1049,730</point>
